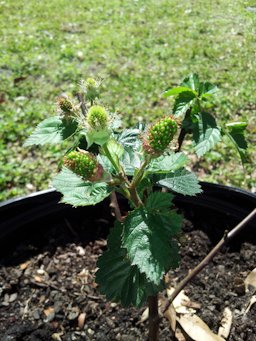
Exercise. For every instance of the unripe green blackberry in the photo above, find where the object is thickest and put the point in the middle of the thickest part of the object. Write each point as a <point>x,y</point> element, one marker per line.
<point>160,135</point>
<point>84,164</point>
<point>97,118</point>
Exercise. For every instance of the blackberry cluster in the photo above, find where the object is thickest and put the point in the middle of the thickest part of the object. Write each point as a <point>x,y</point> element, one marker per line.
<point>160,135</point>
<point>65,105</point>
<point>82,163</point>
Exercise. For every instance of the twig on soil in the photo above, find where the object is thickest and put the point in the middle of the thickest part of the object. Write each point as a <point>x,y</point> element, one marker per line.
<point>46,285</point>
<point>26,308</point>
<point>226,238</point>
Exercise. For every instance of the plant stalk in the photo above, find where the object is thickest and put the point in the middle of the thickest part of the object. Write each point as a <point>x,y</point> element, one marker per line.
<point>81,100</point>
<point>137,178</point>
<point>181,138</point>
<point>109,156</point>
<point>134,196</point>
<point>115,206</point>
<point>132,186</point>
<point>226,238</point>
<point>183,133</point>
<point>153,318</point>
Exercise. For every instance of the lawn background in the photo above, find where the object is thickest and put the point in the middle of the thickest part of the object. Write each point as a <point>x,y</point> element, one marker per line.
<point>140,48</point>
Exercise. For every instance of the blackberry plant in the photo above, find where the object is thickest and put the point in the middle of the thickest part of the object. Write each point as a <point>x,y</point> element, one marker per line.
<point>134,162</point>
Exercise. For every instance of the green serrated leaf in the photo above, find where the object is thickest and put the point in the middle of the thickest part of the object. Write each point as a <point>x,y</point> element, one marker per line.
<point>183,102</point>
<point>105,162</point>
<point>235,133</point>
<point>129,138</point>
<point>113,151</point>
<point>167,163</point>
<point>159,201</point>
<point>192,82</point>
<point>99,137</point>
<point>115,148</point>
<point>171,220</point>
<point>207,89</point>
<point>177,90</point>
<point>118,279</point>
<point>238,139</point>
<point>206,133</point>
<point>130,161</point>
<point>237,126</point>
<point>78,192</point>
<point>51,130</point>
<point>181,181</point>
<point>148,243</point>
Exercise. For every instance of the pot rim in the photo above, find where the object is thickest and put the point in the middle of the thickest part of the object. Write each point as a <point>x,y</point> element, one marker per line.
<point>205,185</point>
<point>230,204</point>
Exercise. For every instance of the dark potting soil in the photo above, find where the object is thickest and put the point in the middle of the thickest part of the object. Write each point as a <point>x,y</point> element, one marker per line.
<point>47,288</point>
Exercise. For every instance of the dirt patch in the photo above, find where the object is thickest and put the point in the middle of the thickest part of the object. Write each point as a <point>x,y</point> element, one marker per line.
<point>47,288</point>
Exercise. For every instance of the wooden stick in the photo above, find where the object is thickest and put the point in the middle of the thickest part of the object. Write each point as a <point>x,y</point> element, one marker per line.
<point>226,238</point>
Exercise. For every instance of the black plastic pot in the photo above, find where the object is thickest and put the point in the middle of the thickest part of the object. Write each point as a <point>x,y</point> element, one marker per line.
<point>217,209</point>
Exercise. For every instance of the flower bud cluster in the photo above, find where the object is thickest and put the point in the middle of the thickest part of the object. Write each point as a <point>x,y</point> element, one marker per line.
<point>97,121</point>
<point>97,118</point>
<point>91,89</point>
<point>65,105</point>
<point>160,135</point>
<point>84,164</point>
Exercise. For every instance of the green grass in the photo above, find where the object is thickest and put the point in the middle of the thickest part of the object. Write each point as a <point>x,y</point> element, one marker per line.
<point>140,48</point>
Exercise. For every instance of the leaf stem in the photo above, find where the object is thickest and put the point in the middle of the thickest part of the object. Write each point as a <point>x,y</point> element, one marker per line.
<point>137,178</point>
<point>124,191</point>
<point>226,238</point>
<point>181,138</point>
<point>120,172</point>
<point>109,156</point>
<point>140,173</point>
<point>134,196</point>
<point>183,133</point>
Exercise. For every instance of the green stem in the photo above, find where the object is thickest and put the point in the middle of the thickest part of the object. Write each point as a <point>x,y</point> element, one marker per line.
<point>109,156</point>
<point>137,178</point>
<point>124,191</point>
<point>183,133</point>
<point>120,172</point>
<point>134,196</point>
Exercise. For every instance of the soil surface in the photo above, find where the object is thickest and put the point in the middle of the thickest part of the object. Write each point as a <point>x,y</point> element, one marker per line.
<point>47,288</point>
